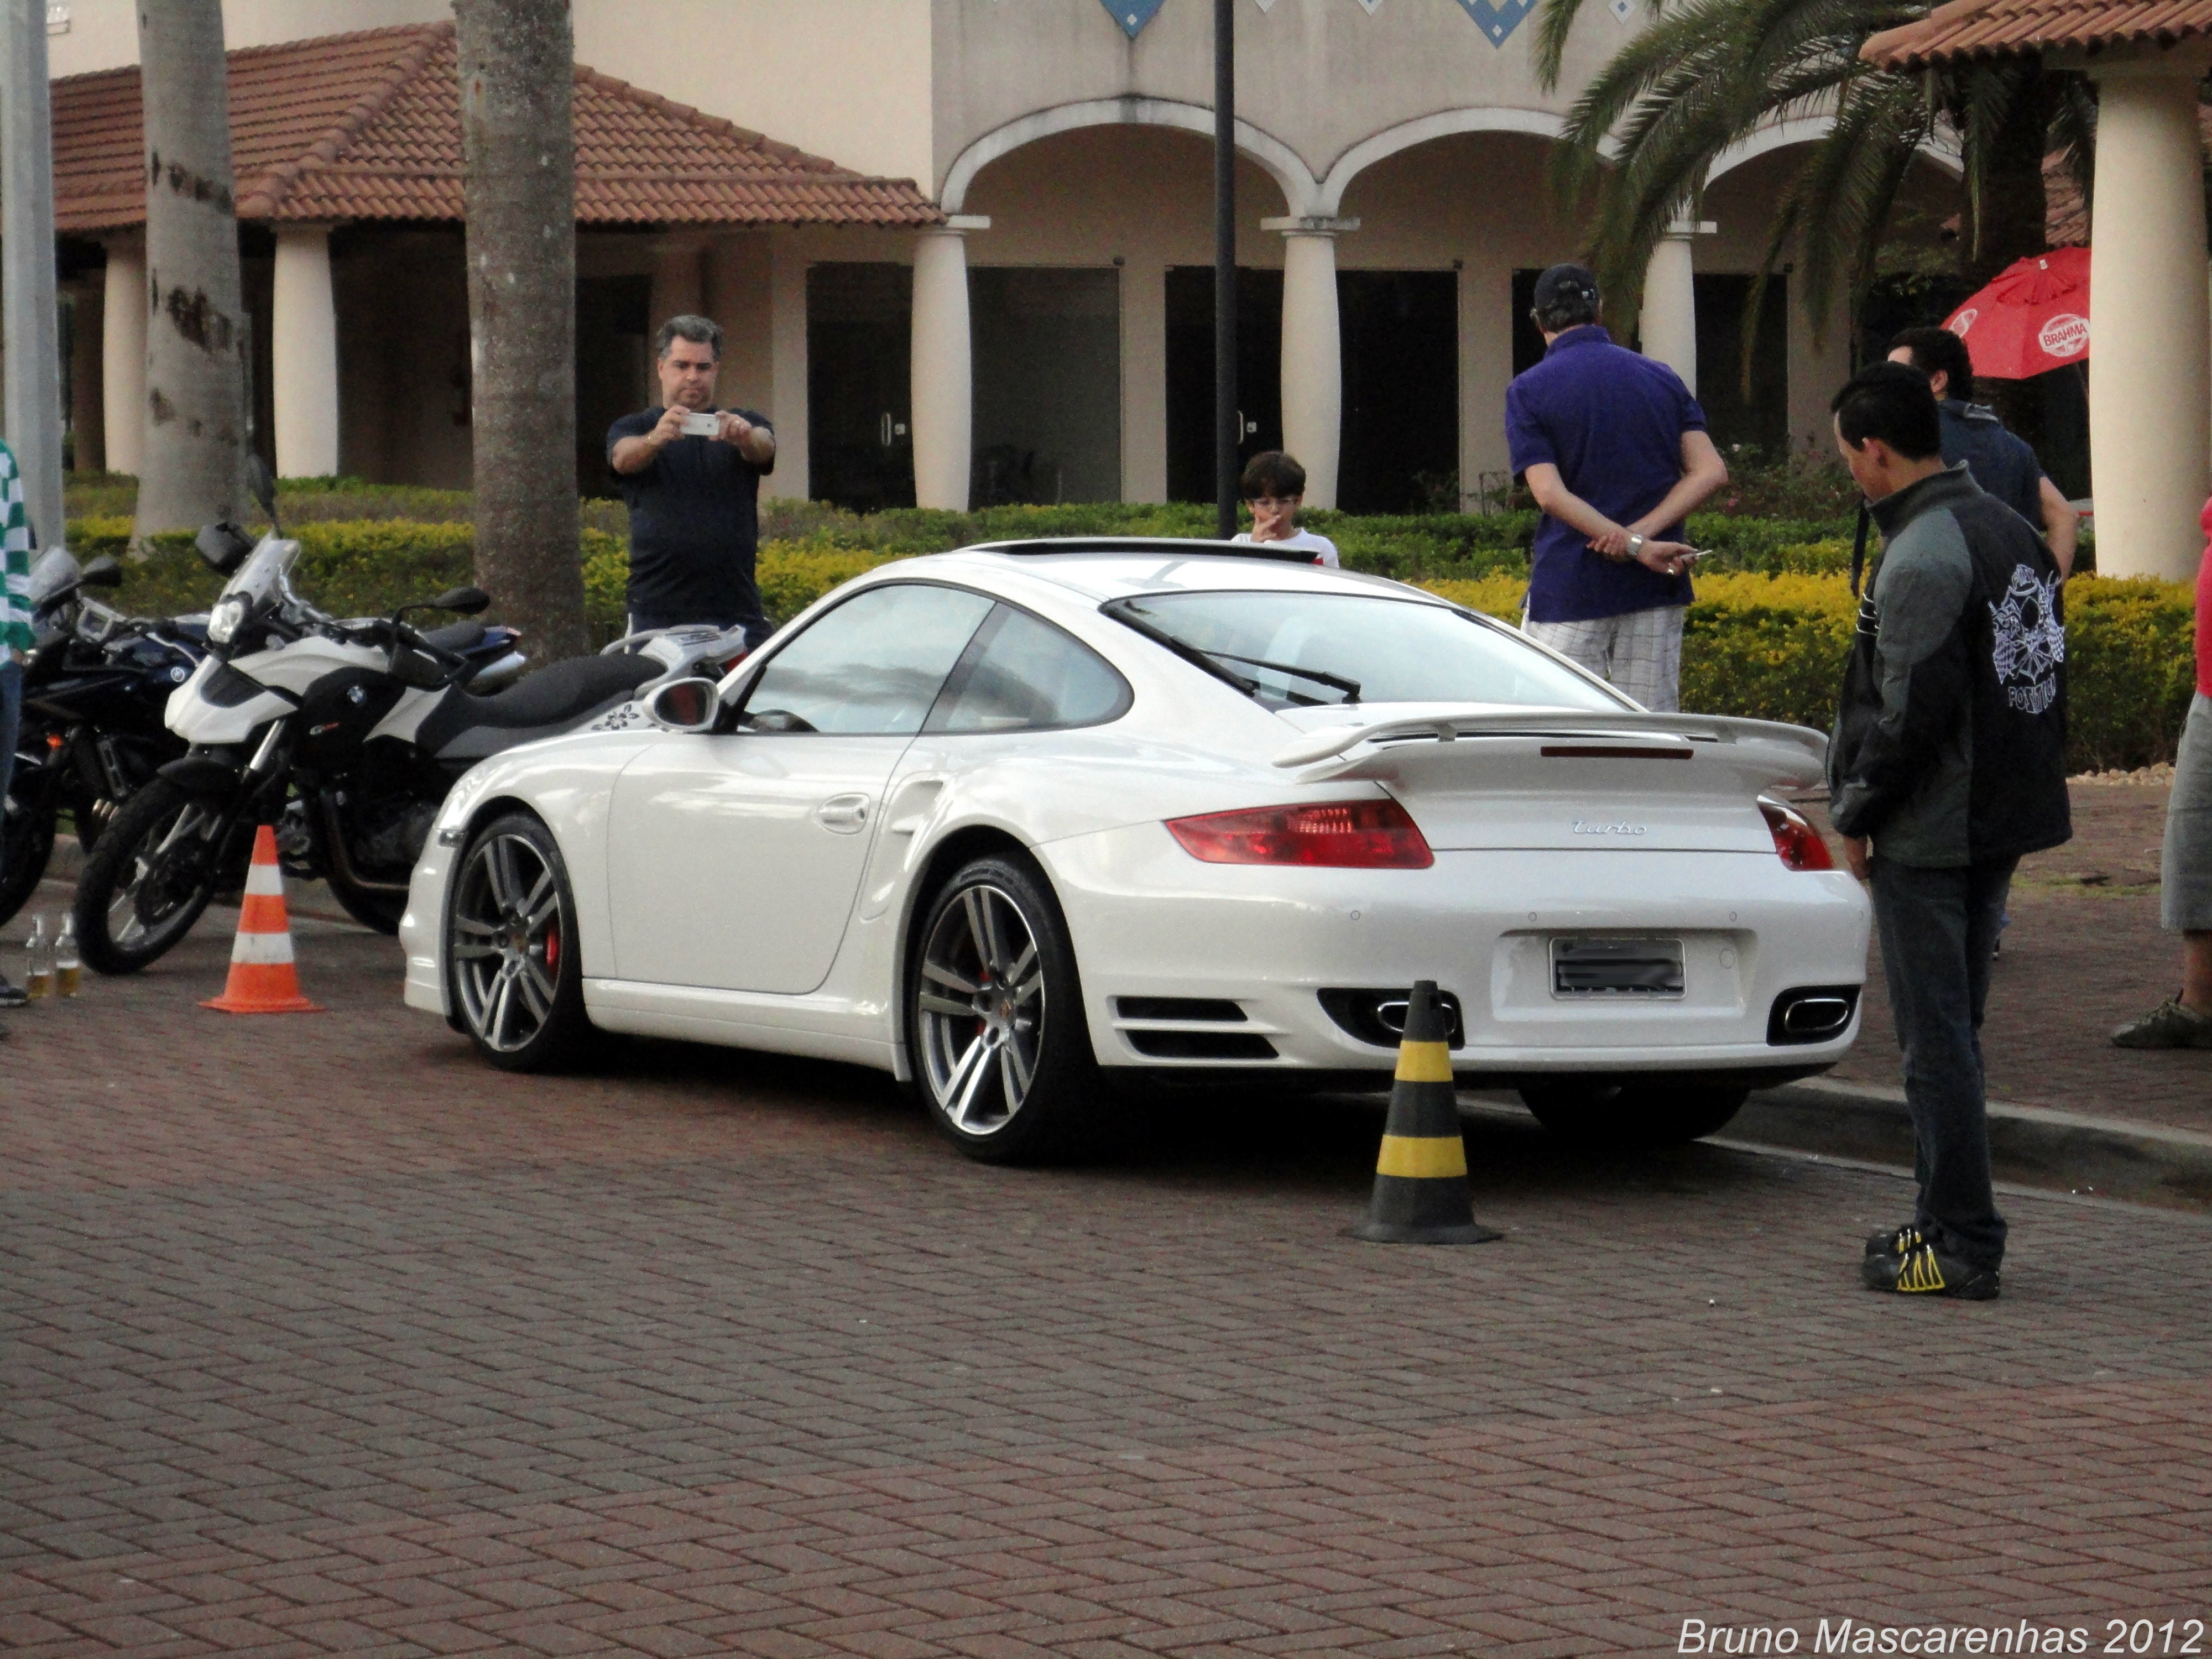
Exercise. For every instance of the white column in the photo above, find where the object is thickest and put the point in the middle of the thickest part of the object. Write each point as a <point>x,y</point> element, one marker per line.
<point>1144,379</point>
<point>303,353</point>
<point>2150,382</point>
<point>1313,351</point>
<point>1669,322</point>
<point>943,384</point>
<point>123,356</point>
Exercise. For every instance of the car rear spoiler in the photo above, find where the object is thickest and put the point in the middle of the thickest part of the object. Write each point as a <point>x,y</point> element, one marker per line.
<point>1793,754</point>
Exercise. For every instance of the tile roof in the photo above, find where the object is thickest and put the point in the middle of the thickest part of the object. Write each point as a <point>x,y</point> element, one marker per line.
<point>1998,28</point>
<point>367,126</point>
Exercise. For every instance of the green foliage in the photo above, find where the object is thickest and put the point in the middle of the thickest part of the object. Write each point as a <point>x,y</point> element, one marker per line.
<point>2132,670</point>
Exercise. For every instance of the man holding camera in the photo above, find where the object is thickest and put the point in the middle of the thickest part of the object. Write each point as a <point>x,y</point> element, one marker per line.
<point>690,475</point>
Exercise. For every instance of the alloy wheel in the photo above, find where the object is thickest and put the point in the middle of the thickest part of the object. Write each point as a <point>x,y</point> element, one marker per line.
<point>507,940</point>
<point>981,1007</point>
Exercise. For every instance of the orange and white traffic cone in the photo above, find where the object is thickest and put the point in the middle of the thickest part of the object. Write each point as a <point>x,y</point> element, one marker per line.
<point>263,979</point>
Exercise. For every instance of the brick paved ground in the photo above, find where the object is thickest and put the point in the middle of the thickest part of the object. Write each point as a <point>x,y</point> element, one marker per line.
<point>2079,959</point>
<point>320,1337</point>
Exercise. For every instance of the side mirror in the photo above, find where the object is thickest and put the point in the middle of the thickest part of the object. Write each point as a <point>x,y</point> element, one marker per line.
<point>464,601</point>
<point>685,706</point>
<point>102,572</point>
<point>224,546</point>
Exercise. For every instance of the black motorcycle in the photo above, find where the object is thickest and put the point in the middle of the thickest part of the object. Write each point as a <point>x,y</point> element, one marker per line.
<point>95,686</point>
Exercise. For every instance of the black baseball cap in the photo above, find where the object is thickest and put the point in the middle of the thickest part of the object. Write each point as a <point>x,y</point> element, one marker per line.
<point>1564,283</point>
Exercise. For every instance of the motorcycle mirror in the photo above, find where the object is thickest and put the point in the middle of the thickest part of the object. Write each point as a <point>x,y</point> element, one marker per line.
<point>685,706</point>
<point>224,546</point>
<point>467,601</point>
<point>261,486</point>
<point>102,572</point>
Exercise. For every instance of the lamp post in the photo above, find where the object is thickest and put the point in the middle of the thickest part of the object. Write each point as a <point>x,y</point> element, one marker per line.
<point>1228,419</point>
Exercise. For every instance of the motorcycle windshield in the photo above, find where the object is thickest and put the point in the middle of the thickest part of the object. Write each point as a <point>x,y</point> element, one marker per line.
<point>55,567</point>
<point>261,578</point>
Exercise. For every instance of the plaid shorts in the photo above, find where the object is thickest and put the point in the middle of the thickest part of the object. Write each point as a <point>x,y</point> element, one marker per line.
<point>1640,652</point>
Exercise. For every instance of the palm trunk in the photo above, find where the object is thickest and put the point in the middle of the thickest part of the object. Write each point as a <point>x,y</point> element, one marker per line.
<point>196,329</point>
<point>518,77</point>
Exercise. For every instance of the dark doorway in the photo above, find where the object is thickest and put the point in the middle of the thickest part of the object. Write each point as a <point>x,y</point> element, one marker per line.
<point>1527,338</point>
<point>859,330</point>
<point>1756,416</point>
<point>614,370</point>
<point>1190,373</point>
<point>1047,354</point>
<point>1401,433</point>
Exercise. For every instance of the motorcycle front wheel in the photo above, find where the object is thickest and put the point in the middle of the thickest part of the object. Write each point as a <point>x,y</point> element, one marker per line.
<point>157,865</point>
<point>27,841</point>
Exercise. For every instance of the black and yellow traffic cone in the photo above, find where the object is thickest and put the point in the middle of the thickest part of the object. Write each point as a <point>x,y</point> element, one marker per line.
<point>1421,1195</point>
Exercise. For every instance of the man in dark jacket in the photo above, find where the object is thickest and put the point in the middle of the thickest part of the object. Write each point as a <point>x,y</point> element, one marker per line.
<point>1947,767</point>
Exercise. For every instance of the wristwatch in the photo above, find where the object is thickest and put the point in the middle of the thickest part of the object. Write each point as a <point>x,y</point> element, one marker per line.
<point>1635,546</point>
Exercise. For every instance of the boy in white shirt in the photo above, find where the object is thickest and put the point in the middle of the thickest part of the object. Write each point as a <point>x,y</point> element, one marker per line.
<point>1274,488</point>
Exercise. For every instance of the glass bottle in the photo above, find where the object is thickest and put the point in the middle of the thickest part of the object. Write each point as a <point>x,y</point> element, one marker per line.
<point>69,965</point>
<point>38,964</point>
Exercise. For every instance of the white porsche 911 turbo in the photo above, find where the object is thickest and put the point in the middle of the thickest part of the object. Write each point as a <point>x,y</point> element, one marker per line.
<point>1022,821</point>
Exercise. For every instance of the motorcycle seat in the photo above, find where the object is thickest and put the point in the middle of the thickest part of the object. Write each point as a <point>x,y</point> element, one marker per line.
<point>456,637</point>
<point>551,701</point>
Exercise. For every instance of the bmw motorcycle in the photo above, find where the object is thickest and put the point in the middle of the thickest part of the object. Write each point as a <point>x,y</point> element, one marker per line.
<point>94,684</point>
<point>345,734</point>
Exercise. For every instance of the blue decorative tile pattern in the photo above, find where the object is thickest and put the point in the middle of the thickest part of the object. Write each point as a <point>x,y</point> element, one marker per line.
<point>1134,14</point>
<point>1499,21</point>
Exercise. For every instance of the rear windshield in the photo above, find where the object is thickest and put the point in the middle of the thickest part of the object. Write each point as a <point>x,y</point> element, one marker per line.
<point>1288,650</point>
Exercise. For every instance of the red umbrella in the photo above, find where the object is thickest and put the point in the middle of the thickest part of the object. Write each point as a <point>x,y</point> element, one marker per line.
<point>2034,316</point>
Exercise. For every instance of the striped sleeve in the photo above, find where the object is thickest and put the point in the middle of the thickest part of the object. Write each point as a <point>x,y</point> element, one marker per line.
<point>16,551</point>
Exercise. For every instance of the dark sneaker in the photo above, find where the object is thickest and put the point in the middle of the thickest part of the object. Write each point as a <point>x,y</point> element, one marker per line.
<point>1896,1242</point>
<point>2169,1025</point>
<point>11,996</point>
<point>1924,1271</point>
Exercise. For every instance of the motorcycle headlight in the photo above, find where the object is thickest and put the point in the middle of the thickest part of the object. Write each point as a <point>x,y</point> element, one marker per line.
<point>227,618</point>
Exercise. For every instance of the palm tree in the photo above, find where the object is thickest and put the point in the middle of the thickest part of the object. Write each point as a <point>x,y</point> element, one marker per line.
<point>1707,74</point>
<point>195,326</point>
<point>518,143</point>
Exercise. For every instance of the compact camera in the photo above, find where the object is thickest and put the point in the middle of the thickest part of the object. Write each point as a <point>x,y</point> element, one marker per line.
<point>702,426</point>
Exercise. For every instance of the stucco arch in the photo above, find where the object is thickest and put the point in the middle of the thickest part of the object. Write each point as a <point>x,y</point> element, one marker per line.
<point>1281,162</point>
<point>1443,123</point>
<point>1805,130</point>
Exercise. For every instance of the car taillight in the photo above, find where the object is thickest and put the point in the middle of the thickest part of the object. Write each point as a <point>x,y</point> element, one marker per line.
<point>1359,834</point>
<point>1799,844</point>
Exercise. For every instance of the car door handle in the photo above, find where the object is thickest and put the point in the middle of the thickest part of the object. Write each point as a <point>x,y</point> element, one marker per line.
<point>845,814</point>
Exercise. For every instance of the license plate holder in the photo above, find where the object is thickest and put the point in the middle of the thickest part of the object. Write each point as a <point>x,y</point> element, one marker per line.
<point>1584,967</point>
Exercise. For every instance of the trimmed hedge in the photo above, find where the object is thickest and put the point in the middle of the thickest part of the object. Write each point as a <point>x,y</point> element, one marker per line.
<point>1765,640</point>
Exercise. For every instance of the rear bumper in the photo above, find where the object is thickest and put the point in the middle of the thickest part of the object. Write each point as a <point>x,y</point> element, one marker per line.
<point>1149,922</point>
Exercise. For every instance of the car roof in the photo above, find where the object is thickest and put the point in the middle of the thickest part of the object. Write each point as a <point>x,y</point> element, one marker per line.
<point>1102,567</point>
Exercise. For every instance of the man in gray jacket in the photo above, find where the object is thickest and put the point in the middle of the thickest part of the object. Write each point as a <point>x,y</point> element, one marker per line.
<point>1947,765</point>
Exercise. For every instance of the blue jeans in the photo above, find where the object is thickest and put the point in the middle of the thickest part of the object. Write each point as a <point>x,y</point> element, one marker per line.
<point>1939,929</point>
<point>11,728</point>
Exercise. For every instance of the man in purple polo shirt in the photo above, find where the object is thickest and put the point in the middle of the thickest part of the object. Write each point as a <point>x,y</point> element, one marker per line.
<point>1614,450</point>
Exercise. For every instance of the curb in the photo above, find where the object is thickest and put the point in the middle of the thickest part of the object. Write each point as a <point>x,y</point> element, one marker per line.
<point>2029,1146</point>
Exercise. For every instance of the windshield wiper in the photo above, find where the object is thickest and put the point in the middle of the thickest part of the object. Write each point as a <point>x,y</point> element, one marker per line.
<point>1129,617</point>
<point>1337,682</point>
<point>1126,612</point>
